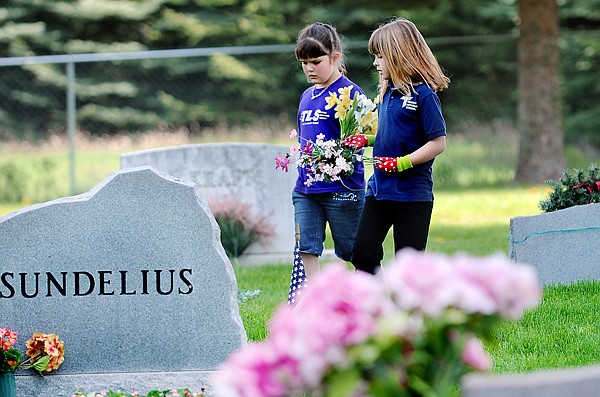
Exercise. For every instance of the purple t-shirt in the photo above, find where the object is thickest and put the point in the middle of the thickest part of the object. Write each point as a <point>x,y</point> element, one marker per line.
<point>406,122</point>
<point>314,119</point>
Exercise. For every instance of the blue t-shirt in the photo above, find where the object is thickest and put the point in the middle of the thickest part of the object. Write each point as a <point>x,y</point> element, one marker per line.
<point>314,119</point>
<point>406,122</point>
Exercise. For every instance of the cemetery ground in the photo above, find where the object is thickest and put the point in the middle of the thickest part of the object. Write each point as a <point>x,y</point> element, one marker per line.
<point>474,203</point>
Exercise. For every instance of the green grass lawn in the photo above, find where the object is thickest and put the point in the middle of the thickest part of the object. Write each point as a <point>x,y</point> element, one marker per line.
<point>474,203</point>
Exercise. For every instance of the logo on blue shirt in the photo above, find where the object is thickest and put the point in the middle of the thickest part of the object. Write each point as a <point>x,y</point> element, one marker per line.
<point>408,103</point>
<point>313,117</point>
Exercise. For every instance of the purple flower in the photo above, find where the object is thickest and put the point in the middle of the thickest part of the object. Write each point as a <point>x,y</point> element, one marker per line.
<point>308,148</point>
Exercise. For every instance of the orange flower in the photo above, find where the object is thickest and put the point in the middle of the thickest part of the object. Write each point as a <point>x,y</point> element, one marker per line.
<point>41,345</point>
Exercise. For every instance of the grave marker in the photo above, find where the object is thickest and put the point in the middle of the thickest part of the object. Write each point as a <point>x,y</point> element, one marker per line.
<point>132,277</point>
<point>242,171</point>
<point>563,245</point>
<point>579,381</point>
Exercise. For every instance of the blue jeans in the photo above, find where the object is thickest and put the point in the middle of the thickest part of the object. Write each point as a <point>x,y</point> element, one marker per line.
<point>341,210</point>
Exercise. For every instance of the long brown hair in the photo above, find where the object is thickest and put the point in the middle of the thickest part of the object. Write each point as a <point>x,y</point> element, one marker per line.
<point>408,57</point>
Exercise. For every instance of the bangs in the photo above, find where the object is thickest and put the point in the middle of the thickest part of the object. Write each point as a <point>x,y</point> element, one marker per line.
<point>374,46</point>
<point>309,48</point>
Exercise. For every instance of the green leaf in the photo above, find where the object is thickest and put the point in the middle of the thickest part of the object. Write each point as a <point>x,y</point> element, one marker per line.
<point>13,355</point>
<point>343,382</point>
<point>41,364</point>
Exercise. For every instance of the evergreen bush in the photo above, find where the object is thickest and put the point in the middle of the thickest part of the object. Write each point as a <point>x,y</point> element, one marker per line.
<point>575,187</point>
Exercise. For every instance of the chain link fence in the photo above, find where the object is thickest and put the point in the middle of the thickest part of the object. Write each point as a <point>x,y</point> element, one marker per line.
<point>195,90</point>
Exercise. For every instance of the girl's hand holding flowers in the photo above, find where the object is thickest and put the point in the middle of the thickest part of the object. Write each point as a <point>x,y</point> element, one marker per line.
<point>358,141</point>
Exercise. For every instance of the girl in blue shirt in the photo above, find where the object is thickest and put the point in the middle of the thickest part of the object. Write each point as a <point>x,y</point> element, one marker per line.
<point>411,133</point>
<point>316,204</point>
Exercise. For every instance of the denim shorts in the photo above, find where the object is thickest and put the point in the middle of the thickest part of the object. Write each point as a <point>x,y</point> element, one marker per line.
<point>340,210</point>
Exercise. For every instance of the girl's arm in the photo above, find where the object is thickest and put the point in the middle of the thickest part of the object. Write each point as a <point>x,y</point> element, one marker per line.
<point>428,150</point>
<point>421,155</point>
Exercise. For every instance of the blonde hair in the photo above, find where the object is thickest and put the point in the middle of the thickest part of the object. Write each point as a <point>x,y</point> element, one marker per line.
<point>408,57</point>
<point>318,39</point>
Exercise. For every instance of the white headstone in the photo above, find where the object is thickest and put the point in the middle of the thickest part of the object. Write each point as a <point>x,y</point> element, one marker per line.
<point>244,172</point>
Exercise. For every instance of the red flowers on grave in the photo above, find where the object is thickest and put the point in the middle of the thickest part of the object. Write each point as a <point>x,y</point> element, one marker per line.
<point>45,352</point>
<point>590,186</point>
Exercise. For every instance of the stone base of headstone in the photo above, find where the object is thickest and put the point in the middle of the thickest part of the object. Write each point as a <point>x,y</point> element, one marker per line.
<point>562,245</point>
<point>580,382</point>
<point>67,385</point>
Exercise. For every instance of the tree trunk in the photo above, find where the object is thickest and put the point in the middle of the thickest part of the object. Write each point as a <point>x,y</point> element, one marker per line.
<point>539,117</point>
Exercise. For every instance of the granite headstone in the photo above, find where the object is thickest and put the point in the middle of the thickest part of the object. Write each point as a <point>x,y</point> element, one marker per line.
<point>562,244</point>
<point>132,277</point>
<point>239,172</point>
<point>577,381</point>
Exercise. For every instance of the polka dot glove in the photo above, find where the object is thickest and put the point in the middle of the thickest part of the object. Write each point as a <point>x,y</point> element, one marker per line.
<point>358,141</point>
<point>393,164</point>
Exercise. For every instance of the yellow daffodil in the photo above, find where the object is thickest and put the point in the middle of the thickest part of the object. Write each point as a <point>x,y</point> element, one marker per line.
<point>345,91</point>
<point>332,100</point>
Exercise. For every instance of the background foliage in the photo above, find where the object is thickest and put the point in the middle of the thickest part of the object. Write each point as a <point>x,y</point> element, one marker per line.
<point>473,39</point>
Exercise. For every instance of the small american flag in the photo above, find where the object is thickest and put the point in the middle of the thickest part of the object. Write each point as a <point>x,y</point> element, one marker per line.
<point>298,281</point>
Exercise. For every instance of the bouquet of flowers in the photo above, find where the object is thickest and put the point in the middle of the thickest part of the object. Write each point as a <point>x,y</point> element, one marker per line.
<point>356,115</point>
<point>45,352</point>
<point>328,160</point>
<point>412,330</point>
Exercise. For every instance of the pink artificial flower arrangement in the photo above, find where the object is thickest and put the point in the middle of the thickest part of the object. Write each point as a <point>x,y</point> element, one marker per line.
<point>409,331</point>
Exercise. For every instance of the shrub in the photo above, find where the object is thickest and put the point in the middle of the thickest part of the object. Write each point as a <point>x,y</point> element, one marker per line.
<point>576,187</point>
<point>240,228</point>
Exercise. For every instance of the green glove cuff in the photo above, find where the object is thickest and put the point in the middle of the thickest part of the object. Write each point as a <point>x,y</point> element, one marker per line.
<point>370,139</point>
<point>404,163</point>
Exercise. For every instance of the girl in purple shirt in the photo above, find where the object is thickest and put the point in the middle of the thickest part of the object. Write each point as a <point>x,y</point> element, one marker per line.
<point>317,204</point>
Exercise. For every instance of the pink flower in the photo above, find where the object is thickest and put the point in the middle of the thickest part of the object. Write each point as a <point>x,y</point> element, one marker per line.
<point>498,286</point>
<point>425,283</point>
<point>350,302</point>
<point>474,355</point>
<point>491,286</point>
<point>344,319</point>
<point>7,338</point>
<point>294,149</point>
<point>282,162</point>
<point>293,134</point>
<point>258,370</point>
